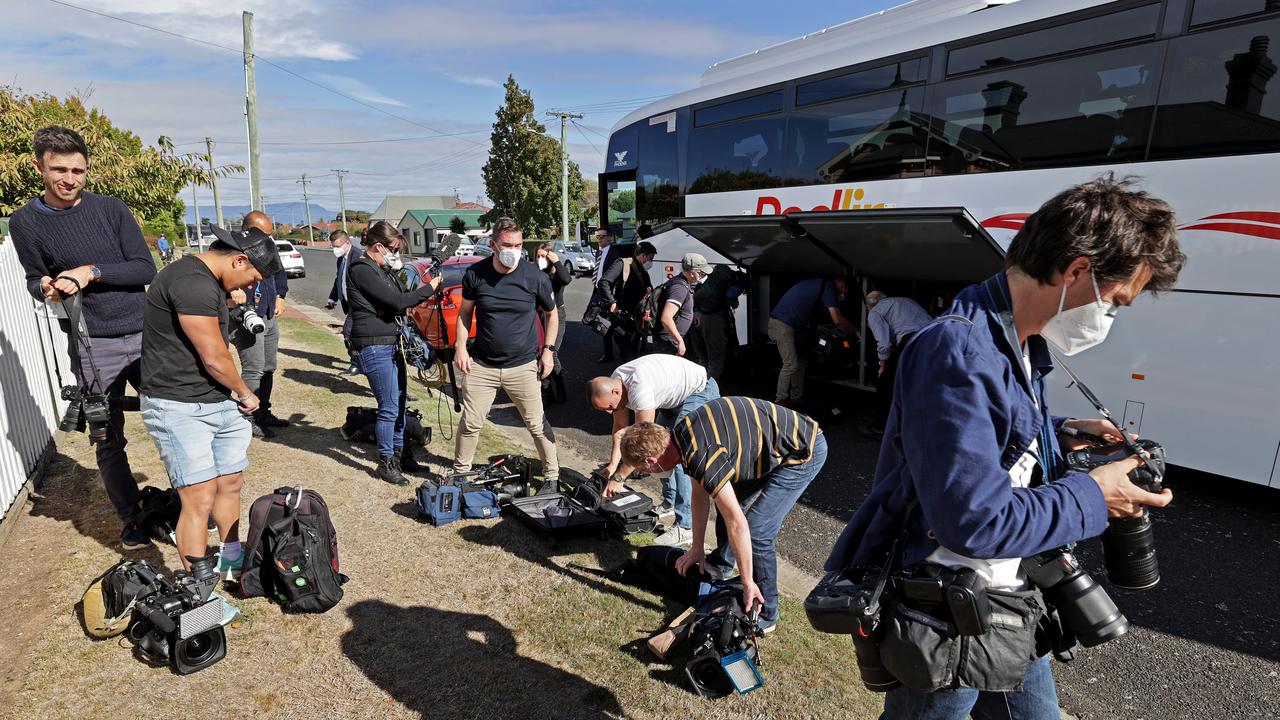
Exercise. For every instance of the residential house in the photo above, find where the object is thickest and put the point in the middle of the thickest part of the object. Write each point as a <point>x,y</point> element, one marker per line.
<point>393,207</point>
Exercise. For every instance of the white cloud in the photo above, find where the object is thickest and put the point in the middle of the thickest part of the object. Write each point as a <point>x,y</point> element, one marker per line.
<point>359,90</point>
<point>477,80</point>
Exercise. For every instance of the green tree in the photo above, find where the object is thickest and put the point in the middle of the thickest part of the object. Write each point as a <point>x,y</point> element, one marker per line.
<point>623,202</point>
<point>458,226</point>
<point>522,174</point>
<point>354,216</point>
<point>147,179</point>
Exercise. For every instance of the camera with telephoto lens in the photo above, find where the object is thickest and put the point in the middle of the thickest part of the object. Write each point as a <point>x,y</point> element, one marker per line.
<point>724,654</point>
<point>179,624</point>
<point>1128,543</point>
<point>88,410</point>
<point>249,319</point>
<point>1086,608</point>
<point>843,604</point>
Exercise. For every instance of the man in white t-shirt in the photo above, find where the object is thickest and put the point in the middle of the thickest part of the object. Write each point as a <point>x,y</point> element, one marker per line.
<point>646,386</point>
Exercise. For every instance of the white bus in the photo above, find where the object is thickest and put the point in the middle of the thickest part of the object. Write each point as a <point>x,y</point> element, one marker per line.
<point>907,147</point>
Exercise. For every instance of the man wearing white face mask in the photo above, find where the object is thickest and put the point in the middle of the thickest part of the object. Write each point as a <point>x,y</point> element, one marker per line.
<point>377,299</point>
<point>505,293</point>
<point>971,474</point>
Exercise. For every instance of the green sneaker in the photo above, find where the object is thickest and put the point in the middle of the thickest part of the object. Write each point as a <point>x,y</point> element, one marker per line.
<point>230,570</point>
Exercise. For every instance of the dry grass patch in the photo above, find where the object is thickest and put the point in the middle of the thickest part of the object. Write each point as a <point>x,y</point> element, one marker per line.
<point>472,620</point>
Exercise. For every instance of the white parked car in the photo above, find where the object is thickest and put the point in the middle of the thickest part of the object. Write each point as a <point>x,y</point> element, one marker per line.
<point>294,266</point>
<point>579,259</point>
<point>465,249</point>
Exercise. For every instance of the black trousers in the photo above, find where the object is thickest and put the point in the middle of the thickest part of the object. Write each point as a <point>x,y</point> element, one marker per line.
<point>884,383</point>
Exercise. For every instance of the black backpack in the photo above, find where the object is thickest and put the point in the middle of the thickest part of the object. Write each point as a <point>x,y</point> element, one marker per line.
<point>649,311</point>
<point>291,554</point>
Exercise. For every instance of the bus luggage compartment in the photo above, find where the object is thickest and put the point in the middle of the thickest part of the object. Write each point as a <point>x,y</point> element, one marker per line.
<point>925,253</point>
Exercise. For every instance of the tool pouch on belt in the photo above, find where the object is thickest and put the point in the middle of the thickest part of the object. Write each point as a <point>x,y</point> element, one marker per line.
<point>922,648</point>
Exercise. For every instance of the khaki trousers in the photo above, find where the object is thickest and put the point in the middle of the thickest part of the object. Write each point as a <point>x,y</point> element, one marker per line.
<point>479,388</point>
<point>791,376</point>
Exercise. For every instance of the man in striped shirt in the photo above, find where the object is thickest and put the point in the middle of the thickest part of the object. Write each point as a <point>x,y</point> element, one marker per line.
<point>737,447</point>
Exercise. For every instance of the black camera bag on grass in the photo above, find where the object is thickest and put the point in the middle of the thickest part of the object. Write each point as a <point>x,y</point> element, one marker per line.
<point>628,513</point>
<point>291,554</point>
<point>361,424</point>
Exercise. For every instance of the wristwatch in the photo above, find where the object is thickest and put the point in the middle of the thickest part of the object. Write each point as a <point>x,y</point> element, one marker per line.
<point>550,347</point>
<point>95,273</point>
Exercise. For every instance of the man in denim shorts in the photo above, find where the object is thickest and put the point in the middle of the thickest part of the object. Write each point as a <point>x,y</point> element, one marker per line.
<point>189,381</point>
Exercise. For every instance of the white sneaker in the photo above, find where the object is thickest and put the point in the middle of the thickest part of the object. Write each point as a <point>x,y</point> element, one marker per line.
<point>675,536</point>
<point>666,510</point>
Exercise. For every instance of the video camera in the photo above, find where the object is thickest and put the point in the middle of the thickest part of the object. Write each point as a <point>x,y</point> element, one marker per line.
<point>178,622</point>
<point>249,319</point>
<point>725,654</point>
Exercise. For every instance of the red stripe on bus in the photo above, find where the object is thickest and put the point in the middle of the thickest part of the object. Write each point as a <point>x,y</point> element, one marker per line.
<point>1262,231</point>
<point>1252,215</point>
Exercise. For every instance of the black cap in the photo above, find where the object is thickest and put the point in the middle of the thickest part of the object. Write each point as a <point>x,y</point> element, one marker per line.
<point>258,245</point>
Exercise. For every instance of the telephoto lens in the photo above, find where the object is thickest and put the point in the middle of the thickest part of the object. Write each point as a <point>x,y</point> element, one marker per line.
<point>1084,605</point>
<point>250,320</point>
<point>1129,544</point>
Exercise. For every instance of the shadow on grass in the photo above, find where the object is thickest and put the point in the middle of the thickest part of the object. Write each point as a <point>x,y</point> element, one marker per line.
<point>328,380</point>
<point>328,362</point>
<point>444,664</point>
<point>513,537</point>
<point>73,493</point>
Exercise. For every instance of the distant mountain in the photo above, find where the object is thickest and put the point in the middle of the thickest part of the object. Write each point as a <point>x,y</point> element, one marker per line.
<point>292,213</point>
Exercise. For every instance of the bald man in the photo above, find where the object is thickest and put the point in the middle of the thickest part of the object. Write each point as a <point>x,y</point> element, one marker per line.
<point>258,351</point>
<point>661,388</point>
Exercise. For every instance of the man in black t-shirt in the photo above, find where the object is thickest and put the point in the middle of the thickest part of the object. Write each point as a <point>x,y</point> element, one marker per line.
<point>505,293</point>
<point>189,380</point>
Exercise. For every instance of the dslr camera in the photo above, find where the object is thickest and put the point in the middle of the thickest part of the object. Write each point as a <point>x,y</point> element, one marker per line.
<point>88,410</point>
<point>1128,543</point>
<point>249,319</point>
<point>723,642</point>
<point>844,603</point>
<point>179,623</point>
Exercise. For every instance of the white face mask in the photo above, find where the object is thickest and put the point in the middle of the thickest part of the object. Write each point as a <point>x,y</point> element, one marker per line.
<point>393,261</point>
<point>543,264</point>
<point>509,257</point>
<point>648,265</point>
<point>340,250</point>
<point>1081,328</point>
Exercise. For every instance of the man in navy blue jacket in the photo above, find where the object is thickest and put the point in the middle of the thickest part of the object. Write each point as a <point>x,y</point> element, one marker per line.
<point>970,435</point>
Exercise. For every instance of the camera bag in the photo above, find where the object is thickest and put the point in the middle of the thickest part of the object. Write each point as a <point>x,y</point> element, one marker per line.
<point>158,511</point>
<point>291,554</point>
<point>362,422</point>
<point>557,516</point>
<point>439,501</point>
<point>479,503</point>
<point>627,513</point>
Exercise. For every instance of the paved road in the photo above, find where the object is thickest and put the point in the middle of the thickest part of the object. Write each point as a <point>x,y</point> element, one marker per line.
<point>1205,642</point>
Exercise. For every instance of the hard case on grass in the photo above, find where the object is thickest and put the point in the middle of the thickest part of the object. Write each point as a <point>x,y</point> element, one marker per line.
<point>439,501</point>
<point>627,513</point>
<point>557,516</point>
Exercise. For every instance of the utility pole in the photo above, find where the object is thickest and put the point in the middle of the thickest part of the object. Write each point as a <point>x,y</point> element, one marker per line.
<point>251,115</point>
<point>213,180</point>
<point>342,200</point>
<point>564,170</point>
<point>311,233</point>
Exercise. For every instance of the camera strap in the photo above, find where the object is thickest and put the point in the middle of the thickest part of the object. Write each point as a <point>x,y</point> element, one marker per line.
<point>80,335</point>
<point>1126,438</point>
<point>882,580</point>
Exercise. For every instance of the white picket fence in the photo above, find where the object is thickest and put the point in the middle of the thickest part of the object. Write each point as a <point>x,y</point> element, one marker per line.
<point>33,350</point>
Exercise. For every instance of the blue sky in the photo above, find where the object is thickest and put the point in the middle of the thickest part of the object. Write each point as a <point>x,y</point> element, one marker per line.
<point>437,66</point>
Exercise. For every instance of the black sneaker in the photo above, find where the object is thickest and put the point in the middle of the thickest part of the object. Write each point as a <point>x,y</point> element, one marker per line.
<point>133,537</point>
<point>259,431</point>
<point>267,420</point>
<point>389,470</point>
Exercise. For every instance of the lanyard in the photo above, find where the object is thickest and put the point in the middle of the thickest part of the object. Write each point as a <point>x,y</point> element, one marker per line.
<point>998,294</point>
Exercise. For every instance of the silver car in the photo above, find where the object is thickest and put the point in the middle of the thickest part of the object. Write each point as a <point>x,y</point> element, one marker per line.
<point>579,259</point>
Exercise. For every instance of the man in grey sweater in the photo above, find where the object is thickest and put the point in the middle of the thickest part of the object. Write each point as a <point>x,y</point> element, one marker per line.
<point>71,241</point>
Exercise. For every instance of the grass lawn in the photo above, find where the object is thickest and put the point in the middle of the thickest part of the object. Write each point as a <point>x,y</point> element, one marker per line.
<point>473,620</point>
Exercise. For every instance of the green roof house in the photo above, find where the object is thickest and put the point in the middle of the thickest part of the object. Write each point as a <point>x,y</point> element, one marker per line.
<point>422,228</point>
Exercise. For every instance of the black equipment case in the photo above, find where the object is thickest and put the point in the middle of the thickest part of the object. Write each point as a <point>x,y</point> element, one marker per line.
<point>557,516</point>
<point>626,514</point>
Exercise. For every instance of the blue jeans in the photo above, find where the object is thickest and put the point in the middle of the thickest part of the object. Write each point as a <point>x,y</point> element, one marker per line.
<point>1038,700</point>
<point>676,488</point>
<point>775,494</point>
<point>383,365</point>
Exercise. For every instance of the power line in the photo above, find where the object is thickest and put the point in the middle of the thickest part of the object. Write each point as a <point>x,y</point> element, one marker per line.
<point>584,137</point>
<point>348,142</point>
<point>240,52</point>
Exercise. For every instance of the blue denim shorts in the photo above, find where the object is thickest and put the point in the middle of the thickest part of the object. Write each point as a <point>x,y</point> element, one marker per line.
<point>198,441</point>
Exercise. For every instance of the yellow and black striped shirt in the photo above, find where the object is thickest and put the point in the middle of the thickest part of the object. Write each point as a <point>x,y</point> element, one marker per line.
<point>736,439</point>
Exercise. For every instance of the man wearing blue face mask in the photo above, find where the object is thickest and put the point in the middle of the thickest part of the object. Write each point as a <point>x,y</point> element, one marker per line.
<point>971,475</point>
